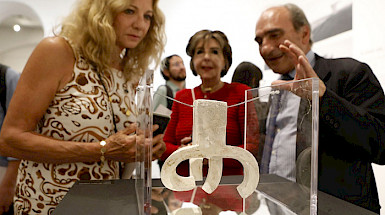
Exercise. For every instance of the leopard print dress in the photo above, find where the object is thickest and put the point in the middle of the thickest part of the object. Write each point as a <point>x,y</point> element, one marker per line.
<point>81,111</point>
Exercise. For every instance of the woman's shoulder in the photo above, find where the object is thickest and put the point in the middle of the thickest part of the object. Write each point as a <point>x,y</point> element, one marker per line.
<point>58,57</point>
<point>56,47</point>
<point>55,42</point>
<point>183,93</point>
<point>237,86</point>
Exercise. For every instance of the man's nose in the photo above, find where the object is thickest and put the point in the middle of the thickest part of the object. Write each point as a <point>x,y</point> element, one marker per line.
<point>266,47</point>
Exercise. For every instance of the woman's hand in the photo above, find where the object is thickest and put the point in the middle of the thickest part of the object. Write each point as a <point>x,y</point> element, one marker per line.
<point>186,141</point>
<point>158,147</point>
<point>122,145</point>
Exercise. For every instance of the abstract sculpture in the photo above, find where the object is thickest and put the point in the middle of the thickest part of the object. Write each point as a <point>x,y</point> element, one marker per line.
<point>209,141</point>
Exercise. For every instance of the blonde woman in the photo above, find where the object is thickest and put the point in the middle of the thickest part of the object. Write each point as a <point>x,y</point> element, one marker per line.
<point>73,109</point>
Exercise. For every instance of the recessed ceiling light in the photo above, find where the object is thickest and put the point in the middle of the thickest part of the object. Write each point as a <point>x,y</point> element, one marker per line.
<point>16,28</point>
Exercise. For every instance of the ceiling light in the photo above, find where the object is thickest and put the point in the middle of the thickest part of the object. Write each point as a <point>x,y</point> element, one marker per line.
<point>16,28</point>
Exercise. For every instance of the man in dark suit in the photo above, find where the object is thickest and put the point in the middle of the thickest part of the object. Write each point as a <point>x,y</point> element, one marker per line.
<point>351,106</point>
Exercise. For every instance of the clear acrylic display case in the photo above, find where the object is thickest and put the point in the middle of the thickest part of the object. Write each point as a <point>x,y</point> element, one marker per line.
<point>272,189</point>
<point>297,160</point>
<point>142,175</point>
<point>273,195</point>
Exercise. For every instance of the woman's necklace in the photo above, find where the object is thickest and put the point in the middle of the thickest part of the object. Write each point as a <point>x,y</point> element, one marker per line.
<point>109,100</point>
<point>213,88</point>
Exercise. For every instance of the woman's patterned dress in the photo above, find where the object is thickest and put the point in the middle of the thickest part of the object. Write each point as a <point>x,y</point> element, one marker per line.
<point>81,111</point>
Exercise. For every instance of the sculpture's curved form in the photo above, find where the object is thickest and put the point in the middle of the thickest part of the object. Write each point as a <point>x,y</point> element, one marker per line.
<point>209,141</point>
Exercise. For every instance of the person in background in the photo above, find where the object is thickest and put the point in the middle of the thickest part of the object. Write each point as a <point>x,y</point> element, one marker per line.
<point>72,116</point>
<point>351,108</point>
<point>174,72</point>
<point>211,58</point>
<point>8,166</point>
<point>247,73</point>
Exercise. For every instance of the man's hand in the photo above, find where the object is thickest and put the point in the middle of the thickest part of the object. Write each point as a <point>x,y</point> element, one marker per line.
<point>303,71</point>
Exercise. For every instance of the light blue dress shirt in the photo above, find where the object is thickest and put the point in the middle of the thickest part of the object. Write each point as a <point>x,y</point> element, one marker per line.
<point>283,155</point>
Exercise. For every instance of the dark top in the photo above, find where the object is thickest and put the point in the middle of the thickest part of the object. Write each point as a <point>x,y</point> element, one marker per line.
<point>351,131</point>
<point>352,134</point>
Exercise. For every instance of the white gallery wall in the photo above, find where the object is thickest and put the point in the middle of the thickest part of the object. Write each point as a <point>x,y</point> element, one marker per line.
<point>369,38</point>
<point>49,12</point>
<point>237,19</point>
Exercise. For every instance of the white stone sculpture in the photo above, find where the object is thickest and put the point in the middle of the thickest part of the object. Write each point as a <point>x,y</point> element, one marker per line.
<point>209,141</point>
<point>184,211</point>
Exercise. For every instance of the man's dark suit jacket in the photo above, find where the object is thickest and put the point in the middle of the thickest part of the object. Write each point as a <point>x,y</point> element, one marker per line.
<point>351,131</point>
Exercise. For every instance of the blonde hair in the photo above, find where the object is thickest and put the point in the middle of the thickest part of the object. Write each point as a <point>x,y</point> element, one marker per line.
<point>90,28</point>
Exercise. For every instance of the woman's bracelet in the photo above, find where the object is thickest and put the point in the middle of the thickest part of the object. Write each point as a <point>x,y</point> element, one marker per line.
<point>102,150</point>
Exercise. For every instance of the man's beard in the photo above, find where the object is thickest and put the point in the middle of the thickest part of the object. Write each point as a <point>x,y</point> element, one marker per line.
<point>178,78</point>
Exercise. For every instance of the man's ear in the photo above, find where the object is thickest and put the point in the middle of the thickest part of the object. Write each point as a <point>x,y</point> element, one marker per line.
<point>305,35</point>
<point>166,72</point>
